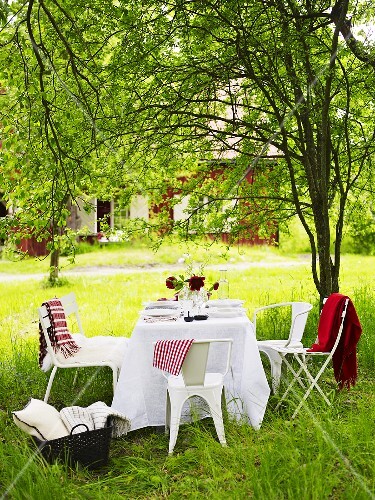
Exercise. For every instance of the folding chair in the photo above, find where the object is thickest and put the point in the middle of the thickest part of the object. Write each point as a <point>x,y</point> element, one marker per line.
<point>95,351</point>
<point>299,314</point>
<point>332,324</point>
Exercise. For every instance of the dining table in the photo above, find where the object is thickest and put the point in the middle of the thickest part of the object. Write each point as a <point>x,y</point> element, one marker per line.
<point>141,389</point>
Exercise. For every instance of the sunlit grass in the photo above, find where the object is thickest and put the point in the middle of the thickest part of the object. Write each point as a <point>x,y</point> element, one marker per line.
<point>326,453</point>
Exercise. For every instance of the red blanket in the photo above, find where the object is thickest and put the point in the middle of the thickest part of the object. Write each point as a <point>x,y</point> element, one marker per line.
<point>59,335</point>
<point>345,357</point>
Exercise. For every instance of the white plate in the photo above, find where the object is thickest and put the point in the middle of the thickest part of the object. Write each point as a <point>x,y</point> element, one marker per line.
<point>162,304</point>
<point>159,312</point>
<point>225,313</point>
<point>225,303</point>
<point>234,310</point>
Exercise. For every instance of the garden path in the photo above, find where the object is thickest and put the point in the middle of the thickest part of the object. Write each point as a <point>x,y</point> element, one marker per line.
<point>113,270</point>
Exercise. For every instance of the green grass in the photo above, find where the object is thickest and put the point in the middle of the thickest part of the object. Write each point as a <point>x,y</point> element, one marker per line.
<point>326,453</point>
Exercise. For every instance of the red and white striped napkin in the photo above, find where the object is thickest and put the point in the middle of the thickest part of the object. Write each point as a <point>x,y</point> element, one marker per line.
<point>169,355</point>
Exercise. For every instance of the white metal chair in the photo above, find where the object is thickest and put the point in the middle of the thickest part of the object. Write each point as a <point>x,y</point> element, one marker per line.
<point>95,351</point>
<point>302,356</point>
<point>194,380</point>
<point>299,314</point>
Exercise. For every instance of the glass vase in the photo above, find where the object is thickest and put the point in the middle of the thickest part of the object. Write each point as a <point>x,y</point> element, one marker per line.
<point>186,301</point>
<point>223,290</point>
<point>200,299</point>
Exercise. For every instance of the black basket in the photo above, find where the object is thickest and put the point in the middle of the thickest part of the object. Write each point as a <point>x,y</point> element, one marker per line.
<point>88,448</point>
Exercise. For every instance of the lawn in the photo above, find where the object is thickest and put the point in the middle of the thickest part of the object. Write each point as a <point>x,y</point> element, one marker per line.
<point>326,453</point>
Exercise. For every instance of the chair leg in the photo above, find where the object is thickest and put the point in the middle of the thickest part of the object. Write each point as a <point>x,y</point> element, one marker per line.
<point>174,428</point>
<point>314,383</point>
<point>275,363</point>
<point>307,393</point>
<point>75,378</point>
<point>275,375</point>
<point>49,385</point>
<point>167,414</point>
<point>114,378</point>
<point>296,374</point>
<point>177,402</point>
<point>214,403</point>
<point>295,379</point>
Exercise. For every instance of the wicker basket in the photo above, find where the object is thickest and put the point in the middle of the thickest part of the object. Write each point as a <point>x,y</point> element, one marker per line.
<point>88,448</point>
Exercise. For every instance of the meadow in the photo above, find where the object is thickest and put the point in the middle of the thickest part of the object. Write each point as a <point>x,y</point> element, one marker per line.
<point>325,453</point>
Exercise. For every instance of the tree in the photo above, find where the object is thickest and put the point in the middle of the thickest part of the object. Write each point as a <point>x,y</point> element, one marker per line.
<point>289,81</point>
<point>166,89</point>
<point>48,130</point>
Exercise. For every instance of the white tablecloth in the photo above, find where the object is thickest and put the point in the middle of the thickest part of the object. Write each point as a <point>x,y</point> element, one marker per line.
<point>141,389</point>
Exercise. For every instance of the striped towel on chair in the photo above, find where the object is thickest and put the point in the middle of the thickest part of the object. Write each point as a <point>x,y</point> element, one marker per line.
<point>59,335</point>
<point>169,355</point>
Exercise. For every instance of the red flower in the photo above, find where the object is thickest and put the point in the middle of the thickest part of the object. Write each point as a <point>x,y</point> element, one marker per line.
<point>215,286</point>
<point>170,282</point>
<point>196,283</point>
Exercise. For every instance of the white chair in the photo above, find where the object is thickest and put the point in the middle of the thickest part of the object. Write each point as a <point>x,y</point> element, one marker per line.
<point>299,314</point>
<point>302,356</point>
<point>95,351</point>
<point>195,381</point>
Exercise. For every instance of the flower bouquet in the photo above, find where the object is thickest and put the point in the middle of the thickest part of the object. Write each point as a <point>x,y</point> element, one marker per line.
<point>191,291</point>
<point>194,283</point>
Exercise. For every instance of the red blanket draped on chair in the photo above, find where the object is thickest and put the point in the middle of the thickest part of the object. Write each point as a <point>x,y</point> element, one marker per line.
<point>59,335</point>
<point>345,357</point>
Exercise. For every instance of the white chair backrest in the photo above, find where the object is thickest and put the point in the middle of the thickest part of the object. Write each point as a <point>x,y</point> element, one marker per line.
<point>70,306</point>
<point>195,364</point>
<point>300,312</point>
<point>69,303</point>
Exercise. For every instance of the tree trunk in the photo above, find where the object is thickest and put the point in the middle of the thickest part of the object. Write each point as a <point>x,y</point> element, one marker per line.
<point>54,265</point>
<point>57,232</point>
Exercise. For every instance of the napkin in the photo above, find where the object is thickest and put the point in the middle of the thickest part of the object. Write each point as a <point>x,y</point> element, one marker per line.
<point>153,319</point>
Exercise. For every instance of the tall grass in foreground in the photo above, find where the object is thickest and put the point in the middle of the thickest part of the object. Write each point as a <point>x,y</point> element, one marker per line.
<point>326,453</point>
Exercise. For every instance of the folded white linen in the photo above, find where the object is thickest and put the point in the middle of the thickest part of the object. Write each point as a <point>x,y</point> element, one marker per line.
<point>76,415</point>
<point>95,417</point>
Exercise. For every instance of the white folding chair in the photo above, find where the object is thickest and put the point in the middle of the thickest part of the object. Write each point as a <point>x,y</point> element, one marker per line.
<point>95,351</point>
<point>302,356</point>
<point>299,314</point>
<point>194,380</point>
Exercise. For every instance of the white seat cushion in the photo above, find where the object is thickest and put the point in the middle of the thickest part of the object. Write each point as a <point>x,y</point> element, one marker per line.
<point>100,348</point>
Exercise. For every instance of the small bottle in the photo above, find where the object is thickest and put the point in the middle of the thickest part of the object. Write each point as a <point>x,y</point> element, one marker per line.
<point>223,290</point>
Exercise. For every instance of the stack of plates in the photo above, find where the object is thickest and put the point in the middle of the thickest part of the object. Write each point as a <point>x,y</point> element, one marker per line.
<point>225,312</point>
<point>225,303</point>
<point>162,304</point>
<point>225,308</point>
<point>161,312</point>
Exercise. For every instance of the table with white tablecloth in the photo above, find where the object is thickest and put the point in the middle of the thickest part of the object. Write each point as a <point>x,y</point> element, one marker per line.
<point>140,393</point>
